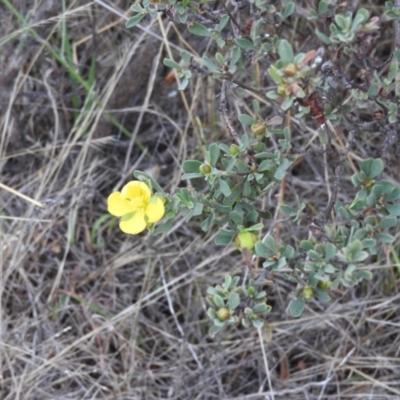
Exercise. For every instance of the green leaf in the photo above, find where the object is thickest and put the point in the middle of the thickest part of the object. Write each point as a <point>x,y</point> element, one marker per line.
<point>254,228</point>
<point>388,222</point>
<point>285,51</point>
<point>233,300</point>
<point>385,237</point>
<point>377,168</point>
<point>227,282</point>
<point>218,301</point>
<point>297,307</point>
<point>198,209</point>
<point>135,20</point>
<point>191,165</point>
<point>306,245</point>
<point>220,59</point>
<point>224,237</point>
<point>184,82</point>
<point>287,103</point>
<point>266,165</point>
<point>276,76</point>
<point>329,269</point>
<point>393,195</point>
<point>269,243</point>
<point>314,255</point>
<point>282,262</point>
<point>236,54</point>
<point>364,274</point>
<point>287,11</point>
<point>244,141</point>
<point>271,94</point>
<point>214,152</point>
<point>186,57</point>
<point>198,29</point>
<point>330,251</point>
<point>206,224</point>
<point>222,23</point>
<point>342,22</point>
<point>171,64</point>
<point>354,248</point>
<point>288,210</point>
<point>225,189</point>
<point>360,256</point>
<point>393,209</point>
<point>321,36</point>
<point>192,175</point>
<point>322,7</point>
<point>257,323</point>
<point>349,270</point>
<point>236,218</point>
<point>210,65</point>
<point>260,308</point>
<point>322,296</point>
<point>281,170</point>
<point>361,17</point>
<point>261,250</point>
<point>214,330</point>
<point>366,167</point>
<point>246,119</point>
<point>165,227</point>
<point>289,252</point>
<point>245,44</point>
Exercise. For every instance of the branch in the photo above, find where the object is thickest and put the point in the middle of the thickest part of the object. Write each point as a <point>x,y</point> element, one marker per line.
<point>339,173</point>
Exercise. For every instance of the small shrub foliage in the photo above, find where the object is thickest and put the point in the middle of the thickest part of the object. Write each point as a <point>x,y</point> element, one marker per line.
<point>310,86</point>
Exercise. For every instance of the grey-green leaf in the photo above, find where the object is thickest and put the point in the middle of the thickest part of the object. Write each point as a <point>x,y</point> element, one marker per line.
<point>297,307</point>
<point>285,51</point>
<point>198,29</point>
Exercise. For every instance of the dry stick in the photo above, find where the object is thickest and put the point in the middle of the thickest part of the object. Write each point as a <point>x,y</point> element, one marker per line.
<point>23,196</point>
<point>266,366</point>
<point>224,112</point>
<point>339,173</point>
<point>397,47</point>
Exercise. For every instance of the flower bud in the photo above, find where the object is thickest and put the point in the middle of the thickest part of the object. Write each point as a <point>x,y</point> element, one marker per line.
<point>290,70</point>
<point>281,89</point>
<point>205,169</point>
<point>223,314</point>
<point>307,292</point>
<point>234,149</point>
<point>245,240</point>
<point>324,284</point>
<point>258,128</point>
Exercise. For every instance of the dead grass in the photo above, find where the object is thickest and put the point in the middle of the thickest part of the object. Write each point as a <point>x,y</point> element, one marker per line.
<point>89,313</point>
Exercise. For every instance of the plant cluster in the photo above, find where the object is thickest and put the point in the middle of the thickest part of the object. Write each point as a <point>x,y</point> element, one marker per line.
<point>343,238</point>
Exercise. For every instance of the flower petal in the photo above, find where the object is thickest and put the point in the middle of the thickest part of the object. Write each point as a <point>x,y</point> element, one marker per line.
<point>134,225</point>
<point>136,189</point>
<point>155,209</point>
<point>117,205</point>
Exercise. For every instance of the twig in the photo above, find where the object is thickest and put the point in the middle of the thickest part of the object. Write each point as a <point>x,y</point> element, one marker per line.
<point>267,371</point>
<point>397,47</point>
<point>224,112</point>
<point>16,193</point>
<point>339,173</point>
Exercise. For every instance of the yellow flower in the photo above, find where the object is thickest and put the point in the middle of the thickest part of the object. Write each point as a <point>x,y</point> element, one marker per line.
<point>136,206</point>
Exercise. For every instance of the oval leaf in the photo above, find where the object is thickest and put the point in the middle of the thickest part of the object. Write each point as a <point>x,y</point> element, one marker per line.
<point>297,307</point>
